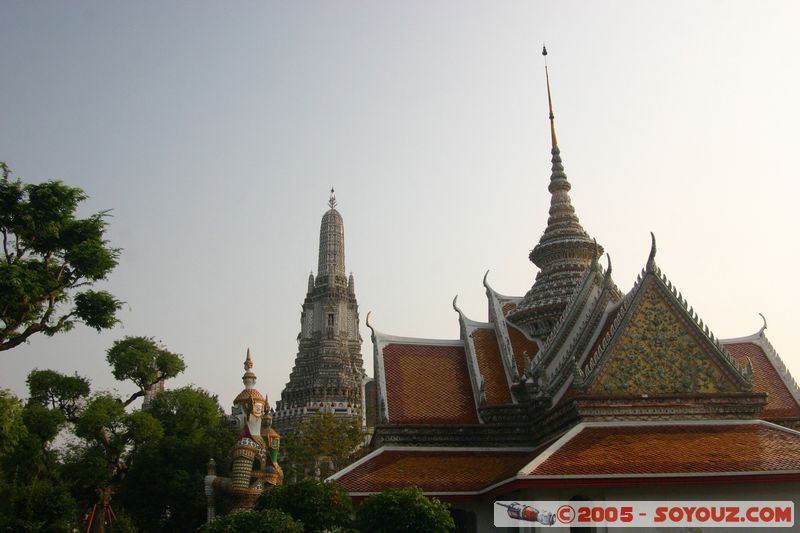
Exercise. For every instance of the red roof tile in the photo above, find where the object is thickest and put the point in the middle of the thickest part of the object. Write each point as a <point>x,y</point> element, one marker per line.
<point>780,402</point>
<point>435,471</point>
<point>507,308</point>
<point>674,449</point>
<point>491,366</point>
<point>521,344</point>
<point>428,384</point>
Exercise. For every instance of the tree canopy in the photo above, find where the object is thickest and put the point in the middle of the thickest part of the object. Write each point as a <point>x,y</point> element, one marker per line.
<point>51,259</point>
<point>107,437</point>
<point>320,446</point>
<point>162,489</point>
<point>265,521</point>
<point>144,362</point>
<point>404,511</point>
<point>319,505</point>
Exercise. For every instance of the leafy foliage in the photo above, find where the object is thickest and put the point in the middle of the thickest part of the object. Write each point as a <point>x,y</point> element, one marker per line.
<point>320,446</point>
<point>49,256</point>
<point>52,389</point>
<point>404,510</point>
<point>144,362</point>
<point>318,505</point>
<point>33,496</point>
<point>11,424</point>
<point>108,436</point>
<point>264,521</point>
<point>36,505</point>
<point>163,486</point>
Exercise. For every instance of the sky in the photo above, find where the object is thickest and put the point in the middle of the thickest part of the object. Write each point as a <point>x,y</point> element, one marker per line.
<point>214,131</point>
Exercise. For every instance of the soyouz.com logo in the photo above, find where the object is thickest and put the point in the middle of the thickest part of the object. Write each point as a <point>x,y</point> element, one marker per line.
<point>746,514</point>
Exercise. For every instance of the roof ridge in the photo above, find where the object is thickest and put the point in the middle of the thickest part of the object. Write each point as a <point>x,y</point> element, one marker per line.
<point>780,366</point>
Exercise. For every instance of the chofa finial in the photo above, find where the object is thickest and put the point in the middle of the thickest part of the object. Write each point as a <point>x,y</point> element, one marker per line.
<point>332,199</point>
<point>761,331</point>
<point>651,259</point>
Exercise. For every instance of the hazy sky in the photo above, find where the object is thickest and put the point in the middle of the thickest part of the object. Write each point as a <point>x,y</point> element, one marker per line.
<point>215,130</point>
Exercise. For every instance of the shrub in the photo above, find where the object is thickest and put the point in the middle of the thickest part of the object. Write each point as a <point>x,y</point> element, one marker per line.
<point>404,510</point>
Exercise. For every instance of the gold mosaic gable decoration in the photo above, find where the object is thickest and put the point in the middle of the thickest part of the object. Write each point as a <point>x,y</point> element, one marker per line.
<point>657,346</point>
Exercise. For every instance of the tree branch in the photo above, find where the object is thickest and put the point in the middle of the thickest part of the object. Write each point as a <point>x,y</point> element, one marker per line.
<point>137,394</point>
<point>9,255</point>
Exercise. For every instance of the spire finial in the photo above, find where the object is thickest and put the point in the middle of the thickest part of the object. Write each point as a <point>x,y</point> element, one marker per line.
<point>553,138</point>
<point>249,377</point>
<point>332,199</point>
<point>248,361</point>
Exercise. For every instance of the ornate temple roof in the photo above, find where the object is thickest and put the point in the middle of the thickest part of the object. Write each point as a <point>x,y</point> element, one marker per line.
<point>427,384</point>
<point>606,453</point>
<point>606,385</point>
<point>563,253</point>
<point>490,366</point>
<point>436,471</point>
<point>770,375</point>
<point>648,448</point>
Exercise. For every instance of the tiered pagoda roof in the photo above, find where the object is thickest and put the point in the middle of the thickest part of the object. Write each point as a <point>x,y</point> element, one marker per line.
<point>577,382</point>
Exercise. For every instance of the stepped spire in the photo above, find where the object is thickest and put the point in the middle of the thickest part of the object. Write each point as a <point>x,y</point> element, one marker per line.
<point>328,370</point>
<point>249,378</point>
<point>563,252</point>
<point>330,267</point>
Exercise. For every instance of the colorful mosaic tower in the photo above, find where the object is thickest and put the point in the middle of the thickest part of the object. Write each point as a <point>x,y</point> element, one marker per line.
<point>328,373</point>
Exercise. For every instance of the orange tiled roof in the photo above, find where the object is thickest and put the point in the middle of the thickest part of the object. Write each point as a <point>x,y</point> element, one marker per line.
<point>435,471</point>
<point>521,344</point>
<point>674,449</point>
<point>507,308</point>
<point>780,402</point>
<point>428,384</point>
<point>490,365</point>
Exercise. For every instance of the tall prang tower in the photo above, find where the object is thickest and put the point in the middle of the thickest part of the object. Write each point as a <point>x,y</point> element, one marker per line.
<point>328,372</point>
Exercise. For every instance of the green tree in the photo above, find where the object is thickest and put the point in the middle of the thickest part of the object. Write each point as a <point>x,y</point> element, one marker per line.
<point>163,486</point>
<point>318,505</point>
<point>50,260</point>
<point>321,446</point>
<point>144,362</point>
<point>404,511</point>
<point>33,496</point>
<point>49,388</point>
<point>264,521</point>
<point>11,424</point>
<point>108,435</point>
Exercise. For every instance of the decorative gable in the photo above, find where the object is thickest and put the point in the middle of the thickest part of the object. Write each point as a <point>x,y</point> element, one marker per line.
<point>658,346</point>
<point>656,353</point>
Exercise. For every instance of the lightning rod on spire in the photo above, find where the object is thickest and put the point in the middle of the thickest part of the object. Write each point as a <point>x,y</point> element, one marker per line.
<point>549,100</point>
